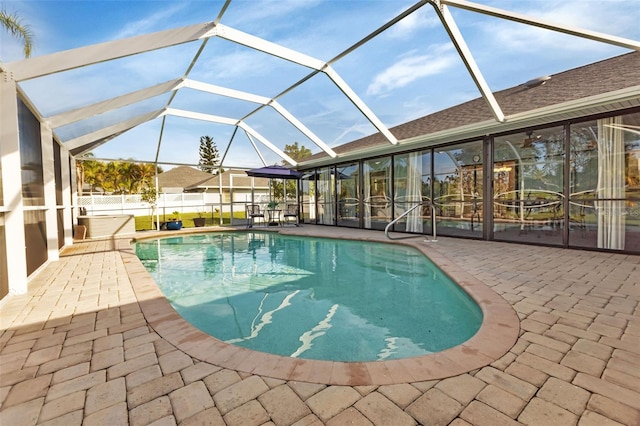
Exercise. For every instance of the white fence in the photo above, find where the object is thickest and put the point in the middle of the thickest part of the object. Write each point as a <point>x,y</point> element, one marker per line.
<point>133,204</point>
<point>202,202</point>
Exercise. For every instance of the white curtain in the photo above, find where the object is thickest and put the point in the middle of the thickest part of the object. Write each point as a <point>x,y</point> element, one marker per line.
<point>367,196</point>
<point>326,197</point>
<point>414,192</point>
<point>611,173</point>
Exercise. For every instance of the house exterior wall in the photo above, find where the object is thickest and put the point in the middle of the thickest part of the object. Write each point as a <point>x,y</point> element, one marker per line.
<point>35,188</point>
<point>15,262</point>
<point>570,184</point>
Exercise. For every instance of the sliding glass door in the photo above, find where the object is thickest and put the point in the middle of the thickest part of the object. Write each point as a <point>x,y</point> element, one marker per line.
<point>348,177</point>
<point>528,186</point>
<point>326,184</point>
<point>377,192</point>
<point>412,186</point>
<point>604,205</point>
<point>308,198</point>
<point>458,187</point>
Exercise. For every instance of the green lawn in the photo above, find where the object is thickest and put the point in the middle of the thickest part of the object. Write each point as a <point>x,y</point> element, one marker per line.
<point>144,223</point>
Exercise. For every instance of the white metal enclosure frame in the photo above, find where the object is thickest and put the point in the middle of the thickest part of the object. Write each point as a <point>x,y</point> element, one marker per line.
<point>24,70</point>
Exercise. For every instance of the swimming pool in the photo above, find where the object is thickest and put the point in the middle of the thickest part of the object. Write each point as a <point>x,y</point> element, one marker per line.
<point>312,298</point>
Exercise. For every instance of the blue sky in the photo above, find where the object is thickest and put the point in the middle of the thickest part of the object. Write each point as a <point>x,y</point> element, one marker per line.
<point>408,71</point>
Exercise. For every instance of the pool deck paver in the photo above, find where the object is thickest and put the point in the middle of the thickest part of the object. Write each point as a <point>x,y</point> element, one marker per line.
<point>91,343</point>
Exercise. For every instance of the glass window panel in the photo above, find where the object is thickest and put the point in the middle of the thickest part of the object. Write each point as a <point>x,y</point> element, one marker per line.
<point>1,187</point>
<point>35,234</point>
<point>307,198</point>
<point>605,184</point>
<point>348,195</point>
<point>4,279</point>
<point>528,179</point>
<point>30,157</point>
<point>284,191</point>
<point>326,196</point>
<point>412,185</point>
<point>377,203</point>
<point>58,171</point>
<point>458,189</point>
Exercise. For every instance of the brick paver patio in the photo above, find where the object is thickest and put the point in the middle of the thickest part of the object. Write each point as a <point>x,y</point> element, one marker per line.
<point>86,346</point>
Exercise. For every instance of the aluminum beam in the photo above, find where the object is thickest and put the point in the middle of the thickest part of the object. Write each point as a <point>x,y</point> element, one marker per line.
<point>308,133</point>
<point>266,143</point>
<point>364,109</point>
<point>224,91</point>
<point>75,58</point>
<point>160,136</point>
<point>233,122</point>
<point>111,131</point>
<point>226,150</point>
<point>465,54</point>
<point>273,49</point>
<point>378,31</point>
<point>541,23</point>
<point>236,94</point>
<point>111,104</point>
<point>222,11</point>
<point>200,116</point>
<point>255,147</point>
<point>265,46</point>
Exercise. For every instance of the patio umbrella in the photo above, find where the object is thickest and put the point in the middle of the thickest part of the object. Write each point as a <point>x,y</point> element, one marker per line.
<point>276,172</point>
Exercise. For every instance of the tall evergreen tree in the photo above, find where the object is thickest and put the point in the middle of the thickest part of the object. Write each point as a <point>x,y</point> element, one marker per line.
<point>209,155</point>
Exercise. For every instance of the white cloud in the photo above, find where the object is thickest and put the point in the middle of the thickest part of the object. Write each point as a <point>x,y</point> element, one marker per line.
<point>11,49</point>
<point>351,133</point>
<point>254,12</point>
<point>150,23</point>
<point>412,67</point>
<point>237,63</point>
<point>422,18</point>
<point>594,16</point>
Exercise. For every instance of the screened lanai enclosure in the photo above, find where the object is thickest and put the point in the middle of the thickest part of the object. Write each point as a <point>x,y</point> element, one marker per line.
<point>573,185</point>
<point>506,121</point>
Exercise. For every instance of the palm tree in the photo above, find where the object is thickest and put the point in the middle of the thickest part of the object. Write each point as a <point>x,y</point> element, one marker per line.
<point>146,175</point>
<point>13,24</point>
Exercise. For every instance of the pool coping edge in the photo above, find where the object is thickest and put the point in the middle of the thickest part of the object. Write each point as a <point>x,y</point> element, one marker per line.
<point>497,334</point>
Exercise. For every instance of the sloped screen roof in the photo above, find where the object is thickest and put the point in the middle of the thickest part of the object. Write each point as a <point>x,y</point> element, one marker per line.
<point>144,80</point>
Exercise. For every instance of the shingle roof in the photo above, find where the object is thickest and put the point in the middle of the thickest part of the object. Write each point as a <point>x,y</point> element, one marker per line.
<point>182,177</point>
<point>240,180</point>
<point>613,74</point>
<point>190,178</point>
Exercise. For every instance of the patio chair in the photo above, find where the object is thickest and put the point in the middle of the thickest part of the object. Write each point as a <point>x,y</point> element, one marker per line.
<point>291,213</point>
<point>253,212</point>
<point>348,208</point>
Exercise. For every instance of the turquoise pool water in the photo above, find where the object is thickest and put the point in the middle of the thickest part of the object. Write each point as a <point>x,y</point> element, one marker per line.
<point>311,298</point>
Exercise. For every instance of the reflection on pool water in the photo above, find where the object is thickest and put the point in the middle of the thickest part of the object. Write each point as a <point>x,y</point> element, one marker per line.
<point>311,298</point>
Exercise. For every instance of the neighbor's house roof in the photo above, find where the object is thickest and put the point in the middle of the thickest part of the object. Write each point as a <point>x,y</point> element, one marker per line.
<point>570,94</point>
<point>189,179</point>
<point>179,178</point>
<point>240,180</point>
